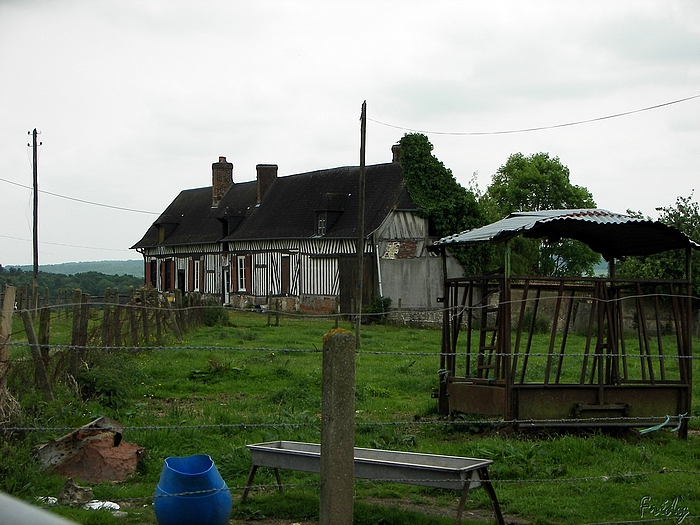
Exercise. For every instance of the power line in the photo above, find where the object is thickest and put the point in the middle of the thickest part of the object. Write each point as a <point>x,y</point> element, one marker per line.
<point>81,200</point>
<point>540,128</point>
<point>68,245</point>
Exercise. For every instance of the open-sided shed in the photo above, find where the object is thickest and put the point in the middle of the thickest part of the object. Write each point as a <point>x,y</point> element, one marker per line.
<point>618,351</point>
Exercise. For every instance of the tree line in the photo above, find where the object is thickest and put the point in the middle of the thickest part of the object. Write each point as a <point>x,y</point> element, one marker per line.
<point>93,283</point>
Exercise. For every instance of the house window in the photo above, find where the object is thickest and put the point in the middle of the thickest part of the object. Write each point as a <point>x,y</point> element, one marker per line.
<point>167,276</point>
<point>321,224</point>
<point>195,275</point>
<point>241,273</point>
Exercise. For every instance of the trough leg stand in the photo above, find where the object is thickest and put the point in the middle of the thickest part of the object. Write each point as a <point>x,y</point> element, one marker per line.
<point>279,480</point>
<point>249,482</point>
<point>488,487</point>
<point>462,501</point>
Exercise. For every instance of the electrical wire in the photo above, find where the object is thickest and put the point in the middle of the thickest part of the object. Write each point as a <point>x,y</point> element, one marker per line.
<point>81,200</point>
<point>539,128</point>
<point>68,245</point>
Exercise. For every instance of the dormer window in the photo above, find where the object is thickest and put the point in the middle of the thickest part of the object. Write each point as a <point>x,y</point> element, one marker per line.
<point>321,222</point>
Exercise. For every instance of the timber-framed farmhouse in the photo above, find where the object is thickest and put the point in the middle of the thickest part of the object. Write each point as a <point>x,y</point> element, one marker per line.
<point>294,238</point>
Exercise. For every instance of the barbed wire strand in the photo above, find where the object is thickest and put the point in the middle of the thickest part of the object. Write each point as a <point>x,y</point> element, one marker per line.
<point>638,421</point>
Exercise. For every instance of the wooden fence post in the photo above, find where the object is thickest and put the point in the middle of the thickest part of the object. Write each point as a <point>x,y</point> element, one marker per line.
<point>40,378</point>
<point>133,326</point>
<point>35,300</point>
<point>116,318</point>
<point>269,309</point>
<point>84,319</point>
<point>107,318</point>
<point>178,310</point>
<point>337,310</point>
<point>173,321</point>
<point>144,316</point>
<point>44,333</point>
<point>8,404</point>
<point>337,428</point>
<point>75,337</point>
<point>159,324</point>
<point>27,297</point>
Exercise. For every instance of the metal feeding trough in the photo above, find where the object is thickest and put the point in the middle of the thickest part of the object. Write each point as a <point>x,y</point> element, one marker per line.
<point>427,470</point>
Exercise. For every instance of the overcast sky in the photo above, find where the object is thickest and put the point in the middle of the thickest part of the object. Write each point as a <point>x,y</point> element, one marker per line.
<point>135,100</point>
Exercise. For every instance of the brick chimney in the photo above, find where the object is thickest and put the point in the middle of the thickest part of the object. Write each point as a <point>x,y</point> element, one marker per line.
<point>396,153</point>
<point>267,174</point>
<point>221,180</point>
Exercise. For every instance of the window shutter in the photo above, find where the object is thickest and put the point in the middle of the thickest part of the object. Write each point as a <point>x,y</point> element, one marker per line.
<point>172,275</point>
<point>248,274</point>
<point>148,274</point>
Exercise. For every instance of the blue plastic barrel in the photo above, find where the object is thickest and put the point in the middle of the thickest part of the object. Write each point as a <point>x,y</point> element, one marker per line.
<point>191,492</point>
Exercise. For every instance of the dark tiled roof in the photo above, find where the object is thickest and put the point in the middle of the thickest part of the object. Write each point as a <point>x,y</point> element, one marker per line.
<point>287,211</point>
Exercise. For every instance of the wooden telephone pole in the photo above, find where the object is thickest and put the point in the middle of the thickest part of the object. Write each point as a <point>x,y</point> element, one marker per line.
<point>35,279</point>
<point>360,226</point>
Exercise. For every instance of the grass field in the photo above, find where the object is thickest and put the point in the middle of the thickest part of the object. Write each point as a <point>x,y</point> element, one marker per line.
<point>227,386</point>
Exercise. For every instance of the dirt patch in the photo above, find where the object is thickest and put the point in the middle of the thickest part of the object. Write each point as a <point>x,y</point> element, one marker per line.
<point>428,508</point>
<point>272,522</point>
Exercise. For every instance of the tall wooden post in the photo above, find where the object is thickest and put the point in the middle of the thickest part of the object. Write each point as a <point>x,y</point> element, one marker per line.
<point>337,428</point>
<point>360,225</point>
<point>35,278</point>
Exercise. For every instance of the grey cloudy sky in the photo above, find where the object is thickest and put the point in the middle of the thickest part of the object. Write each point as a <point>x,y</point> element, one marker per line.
<point>136,99</point>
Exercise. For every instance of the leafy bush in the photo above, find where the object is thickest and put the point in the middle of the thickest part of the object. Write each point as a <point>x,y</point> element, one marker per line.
<point>378,309</point>
<point>105,386</point>
<point>214,313</point>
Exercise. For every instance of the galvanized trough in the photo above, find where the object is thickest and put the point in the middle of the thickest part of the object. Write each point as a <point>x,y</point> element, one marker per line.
<point>428,470</point>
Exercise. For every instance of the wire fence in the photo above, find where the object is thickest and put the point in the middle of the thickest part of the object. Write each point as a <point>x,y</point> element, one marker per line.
<point>665,512</point>
<point>671,422</point>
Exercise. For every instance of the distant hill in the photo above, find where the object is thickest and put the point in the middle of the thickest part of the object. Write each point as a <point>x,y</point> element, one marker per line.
<point>131,267</point>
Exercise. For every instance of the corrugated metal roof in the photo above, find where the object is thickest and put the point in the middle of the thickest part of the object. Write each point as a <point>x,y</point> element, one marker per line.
<point>608,233</point>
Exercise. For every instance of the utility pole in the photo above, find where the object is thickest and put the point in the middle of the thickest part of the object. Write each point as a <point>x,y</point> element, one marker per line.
<point>360,226</point>
<point>35,279</point>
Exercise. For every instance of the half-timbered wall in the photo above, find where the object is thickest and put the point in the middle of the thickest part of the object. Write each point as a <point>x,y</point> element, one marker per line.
<point>293,267</point>
<point>168,269</point>
<point>304,267</point>
<point>407,271</point>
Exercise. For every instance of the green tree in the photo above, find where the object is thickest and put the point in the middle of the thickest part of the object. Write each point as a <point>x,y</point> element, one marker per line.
<point>685,216</point>
<point>449,207</point>
<point>533,183</point>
